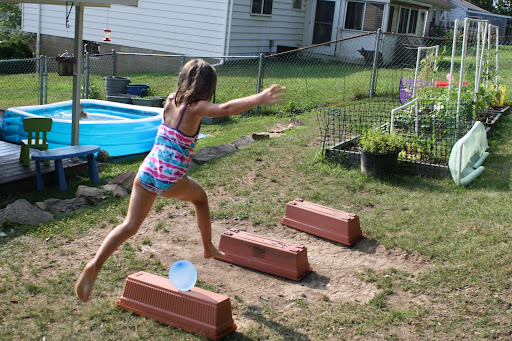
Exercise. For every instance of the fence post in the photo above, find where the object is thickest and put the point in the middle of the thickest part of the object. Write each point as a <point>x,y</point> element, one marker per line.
<point>41,78</point>
<point>114,63</point>
<point>260,75</point>
<point>375,62</point>
<point>86,75</point>
<point>45,80</point>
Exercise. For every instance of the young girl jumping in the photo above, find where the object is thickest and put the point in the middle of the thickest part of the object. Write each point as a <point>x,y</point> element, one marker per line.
<point>164,171</point>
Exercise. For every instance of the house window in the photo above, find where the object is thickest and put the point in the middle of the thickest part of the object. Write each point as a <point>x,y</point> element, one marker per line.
<point>261,7</point>
<point>406,20</point>
<point>324,17</point>
<point>364,16</point>
<point>297,4</point>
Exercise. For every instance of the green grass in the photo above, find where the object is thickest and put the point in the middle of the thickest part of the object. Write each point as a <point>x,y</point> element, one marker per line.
<point>465,234</point>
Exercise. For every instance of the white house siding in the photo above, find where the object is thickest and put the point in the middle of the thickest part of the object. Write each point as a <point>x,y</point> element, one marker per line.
<point>457,13</point>
<point>254,34</point>
<point>194,27</point>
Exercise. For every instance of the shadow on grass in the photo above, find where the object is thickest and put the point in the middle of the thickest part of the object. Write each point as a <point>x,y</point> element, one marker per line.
<point>254,313</point>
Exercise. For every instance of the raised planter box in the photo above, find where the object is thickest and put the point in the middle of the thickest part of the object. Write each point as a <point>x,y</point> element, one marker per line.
<point>342,153</point>
<point>154,101</point>
<point>198,311</point>
<point>500,108</point>
<point>322,221</point>
<point>265,254</point>
<point>120,98</point>
<point>492,115</point>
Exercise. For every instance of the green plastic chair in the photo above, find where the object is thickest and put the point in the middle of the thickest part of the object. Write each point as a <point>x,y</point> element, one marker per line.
<point>36,129</point>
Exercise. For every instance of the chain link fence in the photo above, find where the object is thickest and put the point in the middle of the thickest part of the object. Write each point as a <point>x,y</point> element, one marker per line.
<point>340,71</point>
<point>353,84</point>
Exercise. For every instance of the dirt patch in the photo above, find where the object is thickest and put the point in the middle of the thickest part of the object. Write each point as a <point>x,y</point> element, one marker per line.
<point>335,267</point>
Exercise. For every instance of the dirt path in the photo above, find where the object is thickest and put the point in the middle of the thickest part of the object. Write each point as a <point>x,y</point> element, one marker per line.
<point>334,275</point>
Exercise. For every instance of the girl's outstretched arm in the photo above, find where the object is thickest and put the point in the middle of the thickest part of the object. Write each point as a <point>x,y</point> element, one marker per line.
<point>270,95</point>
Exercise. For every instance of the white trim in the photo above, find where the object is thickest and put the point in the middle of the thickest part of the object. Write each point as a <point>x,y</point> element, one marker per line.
<point>489,14</point>
<point>90,3</point>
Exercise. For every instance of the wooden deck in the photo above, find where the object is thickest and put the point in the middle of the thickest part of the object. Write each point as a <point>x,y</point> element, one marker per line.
<point>14,177</point>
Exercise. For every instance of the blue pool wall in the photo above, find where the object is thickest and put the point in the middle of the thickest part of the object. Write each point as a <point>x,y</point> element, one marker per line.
<point>133,135</point>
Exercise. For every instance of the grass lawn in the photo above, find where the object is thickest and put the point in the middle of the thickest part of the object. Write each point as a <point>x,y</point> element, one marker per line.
<point>461,236</point>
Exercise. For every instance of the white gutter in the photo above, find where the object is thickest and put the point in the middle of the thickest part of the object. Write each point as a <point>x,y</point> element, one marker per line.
<point>38,40</point>
<point>227,27</point>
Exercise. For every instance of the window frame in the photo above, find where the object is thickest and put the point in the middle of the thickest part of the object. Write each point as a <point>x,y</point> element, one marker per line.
<point>363,14</point>
<point>403,26</point>
<point>262,10</point>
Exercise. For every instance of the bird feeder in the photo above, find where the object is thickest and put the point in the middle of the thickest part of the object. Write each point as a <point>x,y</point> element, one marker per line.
<point>66,63</point>
<point>107,34</point>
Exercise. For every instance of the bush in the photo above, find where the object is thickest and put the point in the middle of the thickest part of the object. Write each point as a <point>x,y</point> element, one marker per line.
<point>18,50</point>
<point>15,49</point>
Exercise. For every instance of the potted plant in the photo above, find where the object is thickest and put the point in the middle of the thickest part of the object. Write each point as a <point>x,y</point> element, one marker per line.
<point>379,151</point>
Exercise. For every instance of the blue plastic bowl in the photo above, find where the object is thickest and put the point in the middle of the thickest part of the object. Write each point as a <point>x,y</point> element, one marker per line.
<point>137,89</point>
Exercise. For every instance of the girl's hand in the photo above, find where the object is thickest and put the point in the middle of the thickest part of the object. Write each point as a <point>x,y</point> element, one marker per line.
<point>272,94</point>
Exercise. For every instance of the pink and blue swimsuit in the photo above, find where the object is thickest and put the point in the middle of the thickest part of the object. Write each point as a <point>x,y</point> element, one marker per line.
<point>169,160</point>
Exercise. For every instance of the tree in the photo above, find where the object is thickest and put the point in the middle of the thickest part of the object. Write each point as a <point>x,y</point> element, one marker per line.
<point>504,7</point>
<point>494,6</point>
<point>488,5</point>
<point>10,22</point>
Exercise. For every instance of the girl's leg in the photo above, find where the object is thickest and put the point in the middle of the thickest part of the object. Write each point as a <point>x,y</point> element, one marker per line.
<point>138,208</point>
<point>187,189</point>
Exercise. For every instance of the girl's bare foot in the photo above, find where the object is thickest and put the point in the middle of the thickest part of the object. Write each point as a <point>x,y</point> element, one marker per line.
<point>83,286</point>
<point>212,251</point>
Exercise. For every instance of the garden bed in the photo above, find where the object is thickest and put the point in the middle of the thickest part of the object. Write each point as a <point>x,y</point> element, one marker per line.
<point>348,154</point>
<point>491,116</point>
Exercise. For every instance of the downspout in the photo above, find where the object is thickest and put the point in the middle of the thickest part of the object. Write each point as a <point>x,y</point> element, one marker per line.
<point>385,18</point>
<point>38,39</point>
<point>227,27</point>
<point>426,22</point>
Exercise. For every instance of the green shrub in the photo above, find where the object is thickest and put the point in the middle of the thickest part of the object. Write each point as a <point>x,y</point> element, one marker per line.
<point>15,49</point>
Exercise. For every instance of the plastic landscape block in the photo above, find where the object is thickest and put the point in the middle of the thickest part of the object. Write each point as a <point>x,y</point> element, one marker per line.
<point>322,221</point>
<point>197,310</point>
<point>265,254</point>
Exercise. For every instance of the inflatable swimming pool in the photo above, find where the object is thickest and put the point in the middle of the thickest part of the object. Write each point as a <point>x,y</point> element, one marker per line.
<point>120,129</point>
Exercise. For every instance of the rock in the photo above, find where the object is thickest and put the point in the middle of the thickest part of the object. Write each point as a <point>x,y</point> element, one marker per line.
<point>2,220</point>
<point>93,195</point>
<point>242,142</point>
<point>295,122</point>
<point>125,179</point>
<point>65,206</point>
<point>260,136</point>
<point>209,153</point>
<point>116,190</point>
<point>22,212</point>
<point>281,126</point>
<point>41,205</point>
